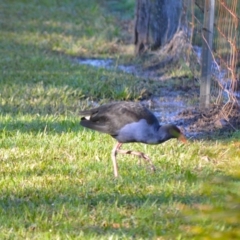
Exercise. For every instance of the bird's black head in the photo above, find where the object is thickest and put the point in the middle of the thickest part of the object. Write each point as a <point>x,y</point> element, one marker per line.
<point>174,132</point>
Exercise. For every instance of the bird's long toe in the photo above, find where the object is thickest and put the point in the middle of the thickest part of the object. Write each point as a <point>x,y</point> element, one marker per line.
<point>141,155</point>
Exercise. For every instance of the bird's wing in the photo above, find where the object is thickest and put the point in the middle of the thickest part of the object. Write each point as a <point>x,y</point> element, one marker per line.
<point>133,112</point>
<point>110,118</point>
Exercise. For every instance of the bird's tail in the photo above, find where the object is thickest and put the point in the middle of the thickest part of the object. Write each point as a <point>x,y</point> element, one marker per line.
<point>85,113</point>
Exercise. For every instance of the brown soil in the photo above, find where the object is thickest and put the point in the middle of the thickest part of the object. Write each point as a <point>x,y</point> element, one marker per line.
<point>209,122</point>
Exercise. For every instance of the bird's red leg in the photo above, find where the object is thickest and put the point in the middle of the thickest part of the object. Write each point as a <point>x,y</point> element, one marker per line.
<point>139,154</point>
<point>114,160</point>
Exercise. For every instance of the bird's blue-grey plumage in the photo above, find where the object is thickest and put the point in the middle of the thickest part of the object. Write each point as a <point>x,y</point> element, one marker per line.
<point>126,122</point>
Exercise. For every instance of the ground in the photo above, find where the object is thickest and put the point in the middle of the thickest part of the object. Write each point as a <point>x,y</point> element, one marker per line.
<point>56,177</point>
<point>208,121</point>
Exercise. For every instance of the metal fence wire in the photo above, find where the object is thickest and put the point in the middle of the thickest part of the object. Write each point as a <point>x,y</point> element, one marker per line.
<point>225,69</point>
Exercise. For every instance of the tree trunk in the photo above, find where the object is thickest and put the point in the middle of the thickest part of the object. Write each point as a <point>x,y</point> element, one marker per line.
<point>156,22</point>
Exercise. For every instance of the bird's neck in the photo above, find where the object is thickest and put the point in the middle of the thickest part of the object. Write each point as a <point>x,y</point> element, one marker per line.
<point>163,134</point>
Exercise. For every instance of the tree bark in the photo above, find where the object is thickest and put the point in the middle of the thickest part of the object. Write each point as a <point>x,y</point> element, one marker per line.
<point>141,30</point>
<point>156,22</point>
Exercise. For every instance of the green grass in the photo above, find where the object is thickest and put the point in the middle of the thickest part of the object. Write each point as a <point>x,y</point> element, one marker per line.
<point>57,182</point>
<point>56,177</point>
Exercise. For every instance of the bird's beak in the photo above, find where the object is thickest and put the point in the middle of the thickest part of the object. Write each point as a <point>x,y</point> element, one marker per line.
<point>182,138</point>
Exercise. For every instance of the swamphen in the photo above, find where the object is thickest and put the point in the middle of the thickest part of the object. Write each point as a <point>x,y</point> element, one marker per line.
<point>129,122</point>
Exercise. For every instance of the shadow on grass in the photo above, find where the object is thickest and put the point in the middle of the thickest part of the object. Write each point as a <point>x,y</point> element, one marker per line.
<point>98,207</point>
<point>49,125</point>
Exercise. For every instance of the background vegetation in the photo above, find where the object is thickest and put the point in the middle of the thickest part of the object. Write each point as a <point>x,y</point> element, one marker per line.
<point>56,177</point>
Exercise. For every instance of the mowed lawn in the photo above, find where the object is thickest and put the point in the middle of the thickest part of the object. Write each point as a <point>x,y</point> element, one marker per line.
<point>56,178</point>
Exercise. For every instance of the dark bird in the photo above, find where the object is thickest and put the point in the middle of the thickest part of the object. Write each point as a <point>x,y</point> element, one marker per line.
<point>129,122</point>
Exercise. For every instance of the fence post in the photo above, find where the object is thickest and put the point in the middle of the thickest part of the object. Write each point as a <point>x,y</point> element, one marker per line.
<point>207,33</point>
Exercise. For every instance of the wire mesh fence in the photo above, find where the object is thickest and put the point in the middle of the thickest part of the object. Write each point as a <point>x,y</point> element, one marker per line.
<point>225,69</point>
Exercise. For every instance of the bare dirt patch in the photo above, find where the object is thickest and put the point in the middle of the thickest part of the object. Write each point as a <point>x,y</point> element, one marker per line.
<point>208,122</point>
